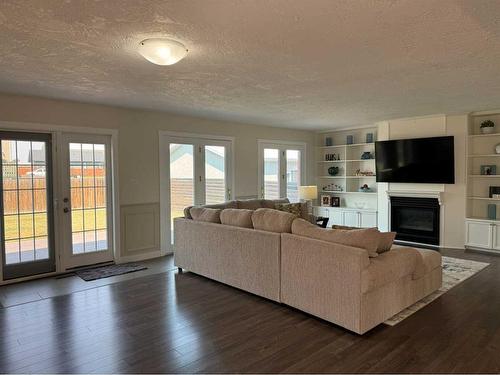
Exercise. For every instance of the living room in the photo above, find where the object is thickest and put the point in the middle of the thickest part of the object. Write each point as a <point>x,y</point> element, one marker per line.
<point>249,187</point>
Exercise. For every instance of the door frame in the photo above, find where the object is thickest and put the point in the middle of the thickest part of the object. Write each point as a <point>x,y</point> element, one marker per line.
<point>50,262</point>
<point>67,258</point>
<point>165,138</point>
<point>56,132</point>
<point>267,143</point>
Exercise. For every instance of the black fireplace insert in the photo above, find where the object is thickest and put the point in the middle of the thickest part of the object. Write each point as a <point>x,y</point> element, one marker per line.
<point>415,219</point>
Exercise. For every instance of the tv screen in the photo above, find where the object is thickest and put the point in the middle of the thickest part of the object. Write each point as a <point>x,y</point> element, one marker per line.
<point>419,160</point>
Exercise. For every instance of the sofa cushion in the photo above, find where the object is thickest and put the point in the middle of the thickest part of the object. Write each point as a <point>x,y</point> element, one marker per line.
<point>389,267</point>
<point>385,241</point>
<point>210,215</point>
<point>229,204</point>
<point>426,262</point>
<point>271,220</point>
<point>250,204</point>
<point>253,204</point>
<point>237,217</point>
<point>361,238</point>
<point>271,203</point>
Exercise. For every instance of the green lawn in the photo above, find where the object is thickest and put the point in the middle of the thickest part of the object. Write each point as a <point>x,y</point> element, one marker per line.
<point>26,223</point>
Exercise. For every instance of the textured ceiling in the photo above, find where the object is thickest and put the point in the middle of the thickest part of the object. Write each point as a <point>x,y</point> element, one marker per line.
<point>308,64</point>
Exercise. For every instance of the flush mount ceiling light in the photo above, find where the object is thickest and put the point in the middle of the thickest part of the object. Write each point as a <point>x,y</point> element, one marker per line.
<point>162,51</point>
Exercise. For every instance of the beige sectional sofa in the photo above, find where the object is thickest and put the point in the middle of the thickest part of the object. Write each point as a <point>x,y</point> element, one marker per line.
<point>339,283</point>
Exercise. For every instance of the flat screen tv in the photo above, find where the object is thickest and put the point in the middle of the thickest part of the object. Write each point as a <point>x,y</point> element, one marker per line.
<point>418,160</point>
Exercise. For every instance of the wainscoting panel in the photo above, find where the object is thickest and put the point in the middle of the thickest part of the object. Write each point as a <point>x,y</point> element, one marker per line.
<point>140,229</point>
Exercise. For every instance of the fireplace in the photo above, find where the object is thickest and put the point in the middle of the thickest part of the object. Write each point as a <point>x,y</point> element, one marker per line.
<point>415,219</point>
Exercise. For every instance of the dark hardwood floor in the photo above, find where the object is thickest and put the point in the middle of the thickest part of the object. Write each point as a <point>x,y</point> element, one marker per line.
<point>185,323</point>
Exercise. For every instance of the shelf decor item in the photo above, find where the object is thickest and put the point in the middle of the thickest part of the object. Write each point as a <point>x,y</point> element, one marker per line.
<point>328,141</point>
<point>335,202</point>
<point>350,139</point>
<point>492,211</point>
<point>367,155</point>
<point>488,170</point>
<point>497,149</point>
<point>326,200</point>
<point>369,137</point>
<point>333,171</point>
<point>487,127</point>
<point>365,189</point>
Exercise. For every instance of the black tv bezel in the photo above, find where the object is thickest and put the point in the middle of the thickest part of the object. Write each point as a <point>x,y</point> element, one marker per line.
<point>445,182</point>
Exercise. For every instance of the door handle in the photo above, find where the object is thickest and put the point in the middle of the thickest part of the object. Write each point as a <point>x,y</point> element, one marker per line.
<point>66,210</point>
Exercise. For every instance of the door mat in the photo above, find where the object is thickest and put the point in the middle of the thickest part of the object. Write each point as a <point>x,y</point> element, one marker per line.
<point>96,273</point>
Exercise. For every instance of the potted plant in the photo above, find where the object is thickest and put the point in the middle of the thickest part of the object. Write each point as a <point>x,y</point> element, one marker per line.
<point>487,127</point>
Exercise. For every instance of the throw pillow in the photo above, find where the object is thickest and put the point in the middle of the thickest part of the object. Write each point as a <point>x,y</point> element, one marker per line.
<point>366,239</point>
<point>237,217</point>
<point>209,215</point>
<point>385,241</point>
<point>293,208</point>
<point>273,220</point>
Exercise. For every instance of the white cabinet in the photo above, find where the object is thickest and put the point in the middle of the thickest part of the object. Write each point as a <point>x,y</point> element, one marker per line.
<point>368,219</point>
<point>482,234</point>
<point>349,217</point>
<point>335,217</point>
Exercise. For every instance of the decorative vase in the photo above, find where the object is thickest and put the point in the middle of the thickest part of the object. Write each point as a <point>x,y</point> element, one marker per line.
<point>488,130</point>
<point>333,171</point>
<point>366,155</point>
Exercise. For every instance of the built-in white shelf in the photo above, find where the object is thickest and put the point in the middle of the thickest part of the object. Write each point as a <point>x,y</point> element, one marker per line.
<point>351,145</point>
<point>484,198</point>
<point>484,156</point>
<point>480,232</point>
<point>484,135</point>
<point>346,192</point>
<point>344,161</point>
<point>338,177</point>
<point>351,163</point>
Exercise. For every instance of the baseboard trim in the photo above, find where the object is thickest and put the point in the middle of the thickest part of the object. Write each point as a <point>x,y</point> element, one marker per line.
<point>139,257</point>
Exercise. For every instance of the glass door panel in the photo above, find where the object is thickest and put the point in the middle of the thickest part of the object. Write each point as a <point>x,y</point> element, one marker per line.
<point>292,175</point>
<point>182,181</point>
<point>215,174</point>
<point>271,174</point>
<point>198,173</point>
<point>89,228</point>
<point>87,201</point>
<point>27,238</point>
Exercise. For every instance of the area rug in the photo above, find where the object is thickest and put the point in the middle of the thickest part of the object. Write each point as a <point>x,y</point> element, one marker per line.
<point>90,274</point>
<point>455,271</point>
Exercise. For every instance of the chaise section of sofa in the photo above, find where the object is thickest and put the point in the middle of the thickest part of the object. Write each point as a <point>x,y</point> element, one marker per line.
<point>341,284</point>
<point>245,258</point>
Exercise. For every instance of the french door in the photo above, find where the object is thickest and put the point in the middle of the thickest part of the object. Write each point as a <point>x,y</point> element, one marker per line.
<point>27,230</point>
<point>197,171</point>
<point>281,170</point>
<point>87,211</point>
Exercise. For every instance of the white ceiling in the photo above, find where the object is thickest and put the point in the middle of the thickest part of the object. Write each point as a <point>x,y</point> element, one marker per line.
<point>309,64</point>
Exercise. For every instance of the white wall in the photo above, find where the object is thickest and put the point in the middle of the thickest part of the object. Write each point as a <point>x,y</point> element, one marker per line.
<point>139,167</point>
<point>453,195</point>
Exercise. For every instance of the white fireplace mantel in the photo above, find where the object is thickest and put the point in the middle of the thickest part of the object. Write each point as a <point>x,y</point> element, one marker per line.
<point>417,194</point>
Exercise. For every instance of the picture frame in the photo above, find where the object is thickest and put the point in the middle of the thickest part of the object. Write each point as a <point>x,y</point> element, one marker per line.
<point>488,170</point>
<point>335,201</point>
<point>326,200</point>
